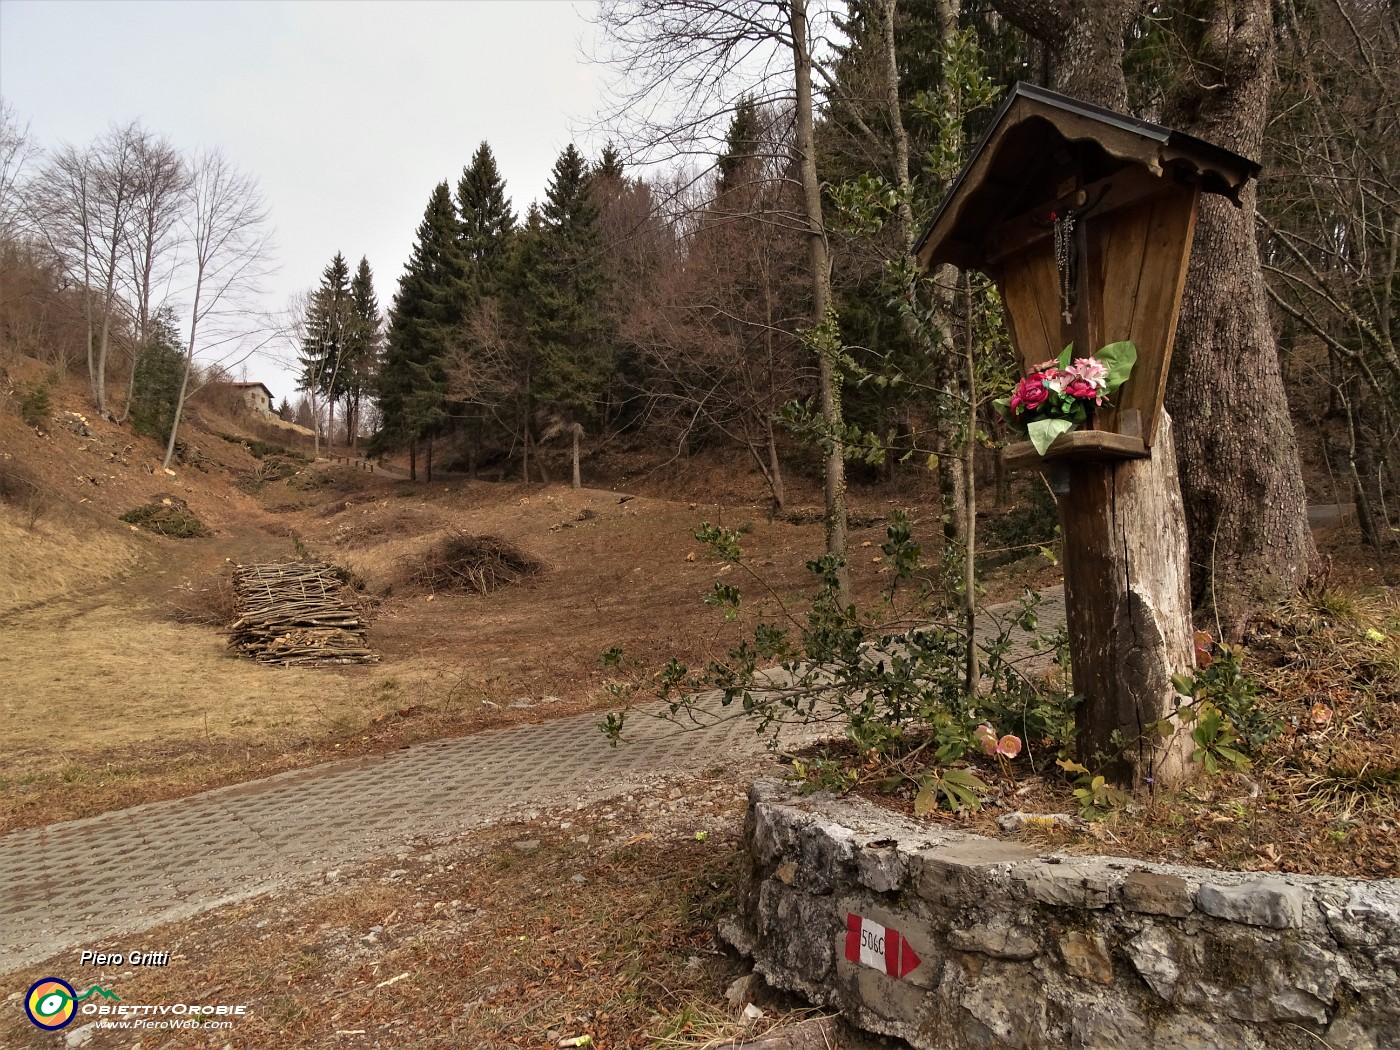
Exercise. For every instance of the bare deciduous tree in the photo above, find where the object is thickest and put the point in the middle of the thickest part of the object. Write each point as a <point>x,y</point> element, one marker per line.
<point>161,193</point>
<point>16,151</point>
<point>717,329</point>
<point>1330,211</point>
<point>228,251</point>
<point>685,65</point>
<point>82,203</point>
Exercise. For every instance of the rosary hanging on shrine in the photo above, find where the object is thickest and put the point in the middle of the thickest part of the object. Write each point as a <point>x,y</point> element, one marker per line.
<point>1066,262</point>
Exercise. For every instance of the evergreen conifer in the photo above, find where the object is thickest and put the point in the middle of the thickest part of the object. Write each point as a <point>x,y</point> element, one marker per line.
<point>422,327</point>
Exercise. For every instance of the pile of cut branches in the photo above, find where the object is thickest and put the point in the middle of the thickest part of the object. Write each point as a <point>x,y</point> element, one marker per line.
<point>167,516</point>
<point>294,614</point>
<point>461,562</point>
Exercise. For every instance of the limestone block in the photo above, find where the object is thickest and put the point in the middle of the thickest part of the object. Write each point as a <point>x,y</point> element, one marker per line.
<point>1192,1031</point>
<point>962,873</point>
<point>881,867</point>
<point>1086,955</point>
<point>797,932</point>
<point>1152,893</point>
<point>999,939</point>
<point>772,832</point>
<point>1344,1033</point>
<point>1160,956</point>
<point>899,1004</point>
<point>825,852</point>
<point>1263,978</point>
<point>1370,917</point>
<point>1078,884</point>
<point>1011,1007</point>
<point>1258,902</point>
<point>1104,1023</point>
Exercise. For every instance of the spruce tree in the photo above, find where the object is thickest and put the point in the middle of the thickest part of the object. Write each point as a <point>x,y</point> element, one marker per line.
<point>741,144</point>
<point>327,324</point>
<point>156,384</point>
<point>364,344</point>
<point>564,278</point>
<point>608,170</point>
<point>422,328</point>
<point>486,217</point>
<point>487,232</point>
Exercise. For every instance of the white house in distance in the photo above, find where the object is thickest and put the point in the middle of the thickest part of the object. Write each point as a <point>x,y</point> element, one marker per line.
<point>256,396</point>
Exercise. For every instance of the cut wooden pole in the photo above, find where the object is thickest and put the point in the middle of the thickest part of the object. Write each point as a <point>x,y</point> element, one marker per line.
<point>1127,601</point>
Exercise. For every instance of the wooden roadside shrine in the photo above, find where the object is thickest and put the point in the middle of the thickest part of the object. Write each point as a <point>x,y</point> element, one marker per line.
<point>1084,218</point>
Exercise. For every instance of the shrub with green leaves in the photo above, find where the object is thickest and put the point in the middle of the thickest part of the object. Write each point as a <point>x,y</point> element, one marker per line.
<point>894,679</point>
<point>1222,704</point>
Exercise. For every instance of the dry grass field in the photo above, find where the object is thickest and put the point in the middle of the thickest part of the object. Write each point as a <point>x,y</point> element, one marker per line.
<point>119,684</point>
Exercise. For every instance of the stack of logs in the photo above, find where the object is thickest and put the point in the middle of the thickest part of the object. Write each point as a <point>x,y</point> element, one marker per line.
<point>293,614</point>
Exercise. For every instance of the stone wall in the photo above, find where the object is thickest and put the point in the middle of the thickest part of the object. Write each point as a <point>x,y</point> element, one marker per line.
<point>1016,947</point>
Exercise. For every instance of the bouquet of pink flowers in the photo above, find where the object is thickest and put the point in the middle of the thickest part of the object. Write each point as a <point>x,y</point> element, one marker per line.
<point>1058,395</point>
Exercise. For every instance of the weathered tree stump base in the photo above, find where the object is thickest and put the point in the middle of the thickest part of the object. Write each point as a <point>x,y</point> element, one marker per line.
<point>1127,602</point>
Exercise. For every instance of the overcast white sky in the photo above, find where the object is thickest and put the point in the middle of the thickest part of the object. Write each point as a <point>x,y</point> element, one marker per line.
<point>348,112</point>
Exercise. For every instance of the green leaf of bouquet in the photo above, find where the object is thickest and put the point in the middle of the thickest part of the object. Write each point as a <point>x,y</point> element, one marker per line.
<point>1043,431</point>
<point>1065,355</point>
<point>1119,359</point>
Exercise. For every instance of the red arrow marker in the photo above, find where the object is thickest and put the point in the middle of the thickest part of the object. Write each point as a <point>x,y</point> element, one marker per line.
<point>879,947</point>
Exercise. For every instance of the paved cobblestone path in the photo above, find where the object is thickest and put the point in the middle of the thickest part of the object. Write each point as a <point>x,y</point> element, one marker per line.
<point>84,882</point>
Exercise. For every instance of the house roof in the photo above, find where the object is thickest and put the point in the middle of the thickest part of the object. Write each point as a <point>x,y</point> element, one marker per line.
<point>1016,161</point>
<point>248,386</point>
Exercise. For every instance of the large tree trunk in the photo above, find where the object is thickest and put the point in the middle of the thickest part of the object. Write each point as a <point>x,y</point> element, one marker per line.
<point>1246,511</point>
<point>1083,41</point>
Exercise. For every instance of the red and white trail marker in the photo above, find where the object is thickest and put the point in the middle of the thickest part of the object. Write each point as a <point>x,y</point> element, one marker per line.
<point>878,947</point>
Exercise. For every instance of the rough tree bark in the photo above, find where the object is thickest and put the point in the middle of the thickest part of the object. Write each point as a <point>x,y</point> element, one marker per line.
<point>1246,510</point>
<point>1083,41</point>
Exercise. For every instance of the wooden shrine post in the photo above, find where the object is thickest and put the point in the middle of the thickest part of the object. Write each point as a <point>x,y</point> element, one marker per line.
<point>1084,217</point>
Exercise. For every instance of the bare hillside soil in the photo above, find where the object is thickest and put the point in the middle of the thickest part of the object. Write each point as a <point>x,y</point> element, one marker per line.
<point>120,686</point>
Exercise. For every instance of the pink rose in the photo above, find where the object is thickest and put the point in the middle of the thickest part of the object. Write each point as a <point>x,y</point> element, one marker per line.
<point>1080,387</point>
<point>1030,393</point>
